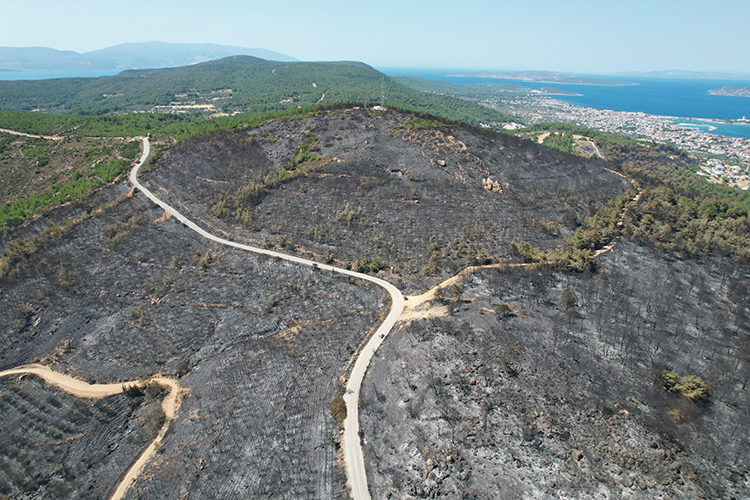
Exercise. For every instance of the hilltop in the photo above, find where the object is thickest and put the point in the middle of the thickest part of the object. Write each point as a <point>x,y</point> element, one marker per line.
<point>238,84</point>
<point>562,369</point>
<point>121,291</point>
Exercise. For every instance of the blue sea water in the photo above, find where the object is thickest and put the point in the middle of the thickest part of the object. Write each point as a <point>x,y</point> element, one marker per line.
<point>683,98</point>
<point>686,99</point>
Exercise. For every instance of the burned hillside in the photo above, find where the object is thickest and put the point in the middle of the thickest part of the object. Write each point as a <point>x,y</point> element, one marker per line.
<point>542,384</point>
<point>383,190</point>
<point>521,380</point>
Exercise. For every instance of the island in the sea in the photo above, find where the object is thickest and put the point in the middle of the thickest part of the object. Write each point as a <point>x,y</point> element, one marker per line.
<point>552,91</point>
<point>731,90</point>
<point>548,77</point>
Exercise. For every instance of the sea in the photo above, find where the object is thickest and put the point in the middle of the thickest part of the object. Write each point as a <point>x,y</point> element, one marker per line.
<point>684,101</point>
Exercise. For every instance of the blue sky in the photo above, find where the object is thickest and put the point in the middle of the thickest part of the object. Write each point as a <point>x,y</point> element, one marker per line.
<point>575,36</point>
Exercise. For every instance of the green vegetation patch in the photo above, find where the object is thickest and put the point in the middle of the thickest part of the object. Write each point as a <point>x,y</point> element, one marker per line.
<point>241,203</point>
<point>252,86</point>
<point>40,153</point>
<point>679,210</point>
<point>419,123</point>
<point>78,188</point>
<point>566,131</point>
<point>561,141</point>
<point>595,232</point>
<point>338,409</point>
<point>691,386</point>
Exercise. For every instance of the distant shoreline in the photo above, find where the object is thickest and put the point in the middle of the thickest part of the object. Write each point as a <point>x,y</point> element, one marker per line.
<point>582,81</point>
<point>731,90</point>
<point>554,92</point>
<point>709,120</point>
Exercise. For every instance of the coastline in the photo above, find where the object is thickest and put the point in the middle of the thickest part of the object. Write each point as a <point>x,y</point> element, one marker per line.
<point>727,95</point>
<point>712,121</point>
<point>551,82</point>
<point>542,92</point>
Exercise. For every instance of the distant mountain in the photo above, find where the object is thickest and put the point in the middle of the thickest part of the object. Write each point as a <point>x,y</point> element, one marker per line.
<point>143,55</point>
<point>694,75</point>
<point>548,77</point>
<point>731,90</point>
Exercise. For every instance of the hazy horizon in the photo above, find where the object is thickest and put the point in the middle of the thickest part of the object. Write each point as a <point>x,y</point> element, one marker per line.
<point>575,37</point>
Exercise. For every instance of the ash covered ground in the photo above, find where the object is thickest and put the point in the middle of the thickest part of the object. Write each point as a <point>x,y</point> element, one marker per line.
<point>560,398</point>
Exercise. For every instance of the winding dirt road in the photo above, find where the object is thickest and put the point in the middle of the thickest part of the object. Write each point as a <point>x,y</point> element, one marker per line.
<point>170,405</point>
<point>353,455</point>
<point>81,389</point>
<point>48,137</point>
<point>421,306</point>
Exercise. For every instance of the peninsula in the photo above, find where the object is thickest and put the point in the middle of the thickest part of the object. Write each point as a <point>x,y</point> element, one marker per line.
<point>548,77</point>
<point>731,90</point>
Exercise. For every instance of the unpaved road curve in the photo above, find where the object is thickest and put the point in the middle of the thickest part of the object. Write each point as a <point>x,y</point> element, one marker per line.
<point>170,406</point>
<point>353,455</point>
<point>81,389</point>
<point>48,137</point>
<point>419,307</point>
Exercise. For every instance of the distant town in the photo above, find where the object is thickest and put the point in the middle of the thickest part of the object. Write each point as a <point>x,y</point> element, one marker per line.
<point>723,159</point>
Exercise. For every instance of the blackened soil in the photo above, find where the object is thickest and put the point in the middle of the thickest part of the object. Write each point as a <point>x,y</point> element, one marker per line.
<point>260,345</point>
<point>53,445</point>
<point>402,195</point>
<point>563,399</point>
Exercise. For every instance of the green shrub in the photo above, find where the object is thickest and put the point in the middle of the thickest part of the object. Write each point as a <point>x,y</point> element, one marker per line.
<point>504,310</point>
<point>131,150</point>
<point>338,409</point>
<point>368,265</point>
<point>691,386</point>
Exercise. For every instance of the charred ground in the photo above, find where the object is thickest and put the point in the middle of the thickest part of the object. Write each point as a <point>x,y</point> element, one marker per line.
<point>545,397</point>
<point>423,198</point>
<point>259,345</point>
<point>563,395</point>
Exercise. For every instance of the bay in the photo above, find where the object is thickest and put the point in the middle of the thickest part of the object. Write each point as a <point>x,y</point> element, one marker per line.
<point>668,97</point>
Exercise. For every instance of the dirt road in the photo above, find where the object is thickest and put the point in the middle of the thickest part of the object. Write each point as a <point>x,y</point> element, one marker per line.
<point>48,137</point>
<point>81,389</point>
<point>170,405</point>
<point>353,455</point>
<point>421,306</point>
<point>71,385</point>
